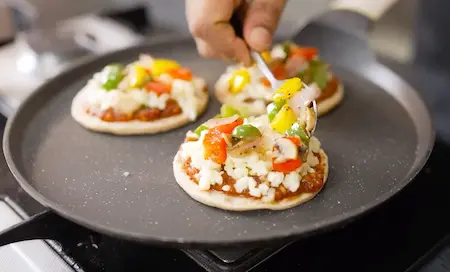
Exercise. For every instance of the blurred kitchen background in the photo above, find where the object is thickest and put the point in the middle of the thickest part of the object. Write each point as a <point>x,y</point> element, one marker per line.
<point>38,52</point>
<point>391,36</point>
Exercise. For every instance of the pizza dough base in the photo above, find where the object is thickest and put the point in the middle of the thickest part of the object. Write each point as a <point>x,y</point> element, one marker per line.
<point>323,107</point>
<point>132,127</point>
<point>235,203</point>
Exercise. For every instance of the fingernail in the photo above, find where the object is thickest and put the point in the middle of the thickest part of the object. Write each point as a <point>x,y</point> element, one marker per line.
<point>260,37</point>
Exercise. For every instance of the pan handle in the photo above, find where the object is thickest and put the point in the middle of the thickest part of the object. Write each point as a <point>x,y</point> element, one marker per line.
<point>45,225</point>
<point>357,15</point>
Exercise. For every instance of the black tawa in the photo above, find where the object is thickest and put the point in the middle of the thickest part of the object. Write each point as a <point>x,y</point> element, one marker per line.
<point>377,140</point>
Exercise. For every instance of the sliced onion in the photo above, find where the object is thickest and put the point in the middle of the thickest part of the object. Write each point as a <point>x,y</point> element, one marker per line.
<point>298,101</point>
<point>244,148</point>
<point>221,121</point>
<point>294,64</point>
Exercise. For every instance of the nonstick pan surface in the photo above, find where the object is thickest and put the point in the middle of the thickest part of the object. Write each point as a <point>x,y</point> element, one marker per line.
<point>377,141</point>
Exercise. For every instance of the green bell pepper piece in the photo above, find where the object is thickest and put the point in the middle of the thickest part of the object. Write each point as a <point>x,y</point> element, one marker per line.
<point>286,48</point>
<point>319,73</point>
<point>228,111</point>
<point>246,132</point>
<point>297,130</point>
<point>273,108</point>
<point>199,130</point>
<point>113,76</point>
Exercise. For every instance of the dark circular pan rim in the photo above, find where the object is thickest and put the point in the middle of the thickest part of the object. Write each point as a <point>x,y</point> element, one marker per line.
<point>308,230</point>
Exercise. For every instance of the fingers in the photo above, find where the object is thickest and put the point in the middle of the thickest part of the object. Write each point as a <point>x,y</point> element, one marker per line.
<point>214,36</point>
<point>261,21</point>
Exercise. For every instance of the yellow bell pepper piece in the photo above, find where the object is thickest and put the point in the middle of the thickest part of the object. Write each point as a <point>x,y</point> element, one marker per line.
<point>284,119</point>
<point>266,56</point>
<point>238,81</point>
<point>139,76</point>
<point>288,89</point>
<point>160,66</point>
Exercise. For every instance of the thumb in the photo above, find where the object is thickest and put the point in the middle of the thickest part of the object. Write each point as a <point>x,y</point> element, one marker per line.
<point>260,22</point>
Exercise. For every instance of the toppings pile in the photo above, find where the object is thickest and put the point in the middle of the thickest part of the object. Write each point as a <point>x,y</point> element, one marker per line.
<point>146,90</point>
<point>290,60</point>
<point>286,60</point>
<point>270,157</point>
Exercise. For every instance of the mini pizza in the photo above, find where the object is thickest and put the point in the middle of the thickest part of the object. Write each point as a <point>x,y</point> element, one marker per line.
<point>241,163</point>
<point>246,88</point>
<point>144,97</point>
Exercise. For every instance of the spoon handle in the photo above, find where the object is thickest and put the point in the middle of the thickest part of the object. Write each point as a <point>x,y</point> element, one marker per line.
<point>262,65</point>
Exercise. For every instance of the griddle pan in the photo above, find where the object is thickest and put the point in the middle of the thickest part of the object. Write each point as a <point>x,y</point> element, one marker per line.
<point>377,140</point>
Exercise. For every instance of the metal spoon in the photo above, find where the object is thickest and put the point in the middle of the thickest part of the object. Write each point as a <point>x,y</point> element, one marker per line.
<point>276,84</point>
<point>237,25</point>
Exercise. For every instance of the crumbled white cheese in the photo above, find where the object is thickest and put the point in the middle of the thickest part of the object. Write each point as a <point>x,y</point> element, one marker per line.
<point>240,172</point>
<point>243,183</point>
<point>140,96</point>
<point>203,183</point>
<point>311,159</point>
<point>121,102</point>
<point>270,195</point>
<point>209,177</point>
<point>145,61</point>
<point>292,181</point>
<point>184,92</point>
<point>278,52</point>
<point>314,145</point>
<point>252,189</point>
<point>199,84</point>
<point>258,168</point>
<point>155,101</point>
<point>263,188</point>
<point>226,188</point>
<point>275,178</point>
<point>195,151</point>
<point>304,169</point>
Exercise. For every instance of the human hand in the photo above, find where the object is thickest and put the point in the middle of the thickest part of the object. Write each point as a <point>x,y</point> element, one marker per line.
<point>214,36</point>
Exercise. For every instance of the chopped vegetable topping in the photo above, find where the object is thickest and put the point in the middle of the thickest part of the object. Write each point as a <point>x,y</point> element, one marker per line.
<point>215,146</point>
<point>157,87</point>
<point>160,66</point>
<point>306,52</point>
<point>138,76</point>
<point>279,71</point>
<point>113,76</point>
<point>199,130</point>
<point>287,166</point>
<point>295,139</point>
<point>238,81</point>
<point>273,108</point>
<point>265,82</point>
<point>287,48</point>
<point>246,132</point>
<point>299,131</point>
<point>319,71</point>
<point>266,56</point>
<point>288,89</point>
<point>284,150</point>
<point>228,111</point>
<point>228,128</point>
<point>284,119</point>
<point>180,73</point>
